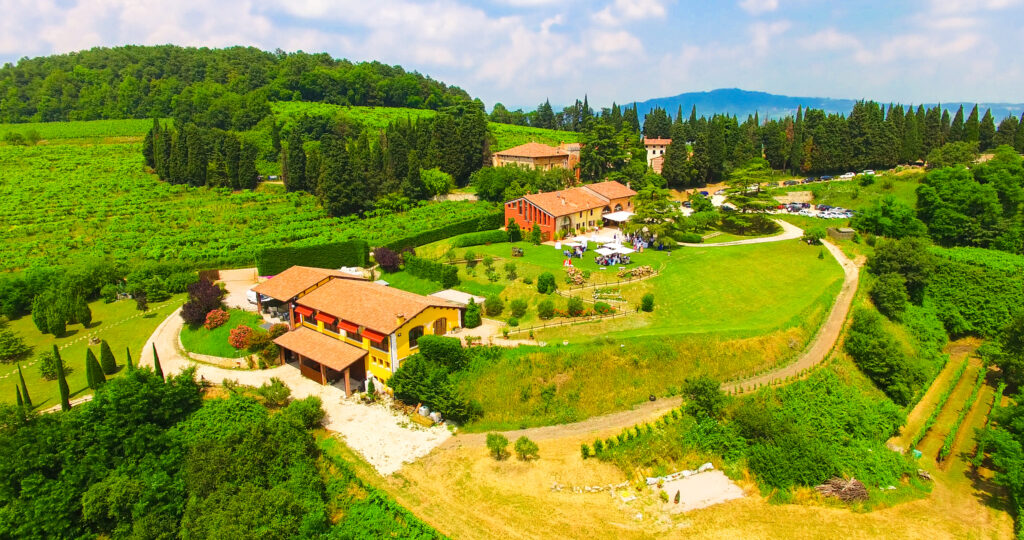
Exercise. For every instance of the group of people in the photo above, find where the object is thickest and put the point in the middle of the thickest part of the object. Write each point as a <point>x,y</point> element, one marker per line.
<point>576,251</point>
<point>610,260</point>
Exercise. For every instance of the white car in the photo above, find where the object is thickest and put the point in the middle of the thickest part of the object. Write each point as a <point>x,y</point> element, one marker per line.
<point>251,296</point>
<point>847,175</point>
<point>867,172</point>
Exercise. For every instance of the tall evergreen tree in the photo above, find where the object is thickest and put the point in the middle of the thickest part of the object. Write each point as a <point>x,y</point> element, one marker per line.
<point>93,371</point>
<point>971,133</point>
<point>910,148</point>
<point>631,118</point>
<point>247,175</point>
<point>986,131</point>
<point>232,153</point>
<point>945,126</point>
<point>275,139</point>
<point>149,143</point>
<point>679,116</point>
<point>657,124</point>
<point>295,180</point>
<point>163,154</point>
<point>931,134</point>
<point>956,128</point>
<point>1019,137</point>
<point>178,166</point>
<point>1007,132</point>
<point>545,116</point>
<point>691,124</point>
<point>676,167</point>
<point>129,364</point>
<point>340,191</point>
<point>197,160</point>
<point>796,149</point>
<point>107,360</point>
<point>156,364</point>
<point>20,403</point>
<point>24,387</point>
<point>62,383</point>
<point>413,186</point>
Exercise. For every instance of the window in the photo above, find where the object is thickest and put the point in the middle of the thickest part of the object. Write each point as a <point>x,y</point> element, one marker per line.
<point>355,336</point>
<point>384,345</point>
<point>309,319</point>
<point>414,336</point>
<point>333,327</point>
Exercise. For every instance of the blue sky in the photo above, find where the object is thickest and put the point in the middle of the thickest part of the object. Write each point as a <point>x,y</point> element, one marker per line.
<point>522,51</point>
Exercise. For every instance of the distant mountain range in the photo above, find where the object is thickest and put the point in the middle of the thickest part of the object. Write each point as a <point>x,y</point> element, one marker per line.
<point>738,102</point>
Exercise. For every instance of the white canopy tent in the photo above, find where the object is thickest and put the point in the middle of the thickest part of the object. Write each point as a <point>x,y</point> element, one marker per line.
<point>624,250</point>
<point>604,251</point>
<point>618,217</point>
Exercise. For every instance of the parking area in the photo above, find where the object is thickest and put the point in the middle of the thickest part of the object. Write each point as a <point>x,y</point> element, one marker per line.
<point>238,282</point>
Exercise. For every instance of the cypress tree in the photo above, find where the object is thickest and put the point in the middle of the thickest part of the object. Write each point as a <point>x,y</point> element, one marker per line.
<point>178,166</point>
<point>971,126</point>
<point>197,161</point>
<point>911,144</point>
<point>93,371</point>
<point>691,124</point>
<point>796,150</point>
<point>232,150</point>
<point>931,134</point>
<point>128,359</point>
<point>340,189</point>
<point>62,383</point>
<point>107,360</point>
<point>21,404</point>
<point>945,126</point>
<point>295,180</point>
<point>986,131</point>
<point>956,128</point>
<point>156,364</point>
<point>148,144</point>
<point>247,175</point>
<point>633,119</point>
<point>162,156</point>
<point>413,187</point>
<point>1019,137</point>
<point>275,138</point>
<point>24,387</point>
<point>1006,133</point>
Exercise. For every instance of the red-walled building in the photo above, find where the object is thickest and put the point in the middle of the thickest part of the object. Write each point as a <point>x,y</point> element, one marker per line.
<point>573,211</point>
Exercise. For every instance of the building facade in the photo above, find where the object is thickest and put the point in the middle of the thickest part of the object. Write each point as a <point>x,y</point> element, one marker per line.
<point>352,329</point>
<point>534,155</point>
<point>569,211</point>
<point>656,148</point>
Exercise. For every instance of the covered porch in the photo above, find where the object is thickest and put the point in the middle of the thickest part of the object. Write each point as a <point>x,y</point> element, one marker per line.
<point>322,358</point>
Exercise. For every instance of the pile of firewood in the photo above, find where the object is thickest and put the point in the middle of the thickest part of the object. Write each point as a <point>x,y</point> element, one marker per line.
<point>845,490</point>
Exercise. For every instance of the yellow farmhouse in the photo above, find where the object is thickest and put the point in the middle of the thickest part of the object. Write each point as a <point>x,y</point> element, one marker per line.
<point>346,327</point>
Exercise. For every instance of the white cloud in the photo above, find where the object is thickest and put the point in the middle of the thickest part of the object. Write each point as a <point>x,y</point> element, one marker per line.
<point>764,35</point>
<point>830,39</point>
<point>621,11</point>
<point>756,7</point>
<point>971,6</point>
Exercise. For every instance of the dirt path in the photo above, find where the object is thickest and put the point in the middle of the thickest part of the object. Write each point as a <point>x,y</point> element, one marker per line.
<point>919,415</point>
<point>932,442</point>
<point>821,345</point>
<point>789,232</point>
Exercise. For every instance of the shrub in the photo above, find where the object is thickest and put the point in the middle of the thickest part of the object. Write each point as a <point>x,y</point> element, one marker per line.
<point>813,235</point>
<point>510,271</point>
<point>546,309</point>
<point>603,308</point>
<point>518,307</point>
<point>497,444</point>
<point>108,292</point>
<point>215,318</point>
<point>488,262</point>
<point>203,297</point>
<point>526,449</point>
<point>647,302</point>
<point>258,340</point>
<point>546,283</point>
<point>277,330</point>
<point>388,260</point>
<point>690,238</point>
<point>527,280</point>
<point>584,451</point>
<point>512,322</point>
<point>48,366</point>
<point>890,296</point>
<point>515,234</point>
<point>472,316</point>
<point>239,337</point>
<point>308,412</point>
<point>493,306</point>
<point>274,392</point>
<point>574,306</point>
<point>470,258</point>
<point>479,238</point>
<point>535,235</point>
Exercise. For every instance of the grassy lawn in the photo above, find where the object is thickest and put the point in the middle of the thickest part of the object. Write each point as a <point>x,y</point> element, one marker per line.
<point>850,194</point>
<point>215,342</point>
<point>119,323</point>
<point>408,282</point>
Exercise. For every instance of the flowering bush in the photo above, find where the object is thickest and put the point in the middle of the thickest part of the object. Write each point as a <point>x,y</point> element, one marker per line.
<point>639,271</point>
<point>240,336</point>
<point>574,276</point>
<point>603,308</point>
<point>215,318</point>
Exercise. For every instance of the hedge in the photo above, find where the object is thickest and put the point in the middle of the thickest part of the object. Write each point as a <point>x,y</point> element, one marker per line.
<point>271,261</point>
<point>446,275</point>
<point>479,238</point>
<point>485,223</point>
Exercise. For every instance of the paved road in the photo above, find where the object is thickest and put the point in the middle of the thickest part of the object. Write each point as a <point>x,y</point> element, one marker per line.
<point>821,345</point>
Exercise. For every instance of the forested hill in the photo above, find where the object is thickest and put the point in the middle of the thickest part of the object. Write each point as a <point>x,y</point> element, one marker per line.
<point>222,88</point>
<point>733,101</point>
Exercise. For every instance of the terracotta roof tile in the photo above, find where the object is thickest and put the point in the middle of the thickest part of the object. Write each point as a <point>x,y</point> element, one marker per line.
<point>533,150</point>
<point>369,304</point>
<point>291,282</point>
<point>566,201</point>
<point>611,190</point>
<point>657,142</point>
<point>331,352</point>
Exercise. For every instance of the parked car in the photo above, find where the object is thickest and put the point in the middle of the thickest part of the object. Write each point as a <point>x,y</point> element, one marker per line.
<point>824,178</point>
<point>791,182</point>
<point>805,205</point>
<point>868,171</point>
<point>847,175</point>
<point>719,192</point>
<point>687,204</point>
<point>251,296</point>
<point>704,193</point>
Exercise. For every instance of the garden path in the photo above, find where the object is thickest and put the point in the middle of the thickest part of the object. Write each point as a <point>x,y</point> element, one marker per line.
<point>821,345</point>
<point>789,232</point>
<point>385,439</point>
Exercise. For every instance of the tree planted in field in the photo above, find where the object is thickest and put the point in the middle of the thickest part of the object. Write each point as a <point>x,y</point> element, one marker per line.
<point>62,383</point>
<point>107,360</point>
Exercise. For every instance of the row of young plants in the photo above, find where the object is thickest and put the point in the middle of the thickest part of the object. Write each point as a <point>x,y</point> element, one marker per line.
<point>979,453</point>
<point>947,443</point>
<point>943,398</point>
<point>602,448</point>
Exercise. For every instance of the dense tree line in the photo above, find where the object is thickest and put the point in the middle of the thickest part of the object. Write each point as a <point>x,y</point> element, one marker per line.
<point>217,88</point>
<point>200,156</point>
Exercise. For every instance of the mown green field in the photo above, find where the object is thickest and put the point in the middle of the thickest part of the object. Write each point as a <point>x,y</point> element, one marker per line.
<point>850,194</point>
<point>92,129</point>
<point>215,342</point>
<point>61,200</point>
<point>119,323</point>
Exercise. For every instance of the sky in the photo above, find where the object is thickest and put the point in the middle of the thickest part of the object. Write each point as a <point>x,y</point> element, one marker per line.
<point>521,52</point>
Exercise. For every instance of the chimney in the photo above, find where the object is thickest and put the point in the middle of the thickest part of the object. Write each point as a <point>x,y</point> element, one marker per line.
<point>627,186</point>
<point>400,318</point>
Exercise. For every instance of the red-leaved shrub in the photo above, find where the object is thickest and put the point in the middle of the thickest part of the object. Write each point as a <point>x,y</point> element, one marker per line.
<point>240,336</point>
<point>215,318</point>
